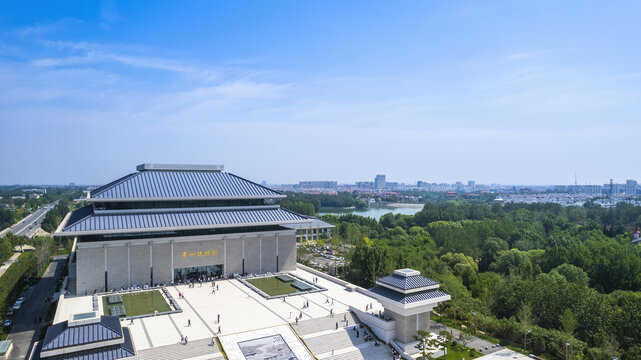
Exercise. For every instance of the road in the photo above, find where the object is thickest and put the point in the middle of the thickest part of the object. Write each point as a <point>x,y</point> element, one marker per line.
<point>30,225</point>
<point>26,328</point>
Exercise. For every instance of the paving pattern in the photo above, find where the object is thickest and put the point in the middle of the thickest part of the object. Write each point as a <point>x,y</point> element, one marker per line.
<point>202,349</point>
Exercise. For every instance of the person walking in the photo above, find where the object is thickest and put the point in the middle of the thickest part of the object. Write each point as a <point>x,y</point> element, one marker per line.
<point>336,325</point>
<point>219,329</point>
<point>186,340</point>
<point>188,322</point>
<point>218,319</point>
<point>182,339</point>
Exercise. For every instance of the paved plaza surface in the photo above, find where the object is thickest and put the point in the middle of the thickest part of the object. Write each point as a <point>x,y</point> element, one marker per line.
<point>242,310</point>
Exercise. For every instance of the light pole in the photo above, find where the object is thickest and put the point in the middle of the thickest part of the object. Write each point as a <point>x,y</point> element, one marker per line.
<point>525,339</point>
<point>567,350</point>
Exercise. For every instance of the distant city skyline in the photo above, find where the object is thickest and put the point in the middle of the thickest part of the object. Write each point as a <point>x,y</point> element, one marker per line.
<point>525,93</point>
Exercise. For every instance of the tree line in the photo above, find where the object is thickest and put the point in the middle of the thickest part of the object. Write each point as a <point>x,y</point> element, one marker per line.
<point>566,274</point>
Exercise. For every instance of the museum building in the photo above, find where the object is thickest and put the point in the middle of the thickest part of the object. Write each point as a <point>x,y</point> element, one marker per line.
<point>168,223</point>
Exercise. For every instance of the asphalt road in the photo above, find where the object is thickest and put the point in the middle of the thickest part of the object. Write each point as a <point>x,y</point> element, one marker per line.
<point>26,327</point>
<point>30,225</point>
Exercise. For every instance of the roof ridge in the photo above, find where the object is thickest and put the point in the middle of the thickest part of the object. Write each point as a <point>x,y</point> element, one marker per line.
<point>107,186</point>
<point>257,184</point>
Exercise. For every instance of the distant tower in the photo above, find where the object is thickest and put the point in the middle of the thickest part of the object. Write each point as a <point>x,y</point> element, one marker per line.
<point>611,192</point>
<point>380,182</point>
<point>635,239</point>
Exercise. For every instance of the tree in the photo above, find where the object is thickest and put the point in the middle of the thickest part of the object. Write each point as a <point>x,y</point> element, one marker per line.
<point>525,317</point>
<point>568,323</point>
<point>464,338</point>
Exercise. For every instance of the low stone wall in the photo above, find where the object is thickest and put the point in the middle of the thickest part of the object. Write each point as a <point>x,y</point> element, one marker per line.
<point>244,281</point>
<point>384,329</point>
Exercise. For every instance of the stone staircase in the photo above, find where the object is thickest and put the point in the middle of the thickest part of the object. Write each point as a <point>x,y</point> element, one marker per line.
<point>341,339</point>
<point>321,337</point>
<point>198,348</point>
<point>368,353</point>
<point>312,326</point>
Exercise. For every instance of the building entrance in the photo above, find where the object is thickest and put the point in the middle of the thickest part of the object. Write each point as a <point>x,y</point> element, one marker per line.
<point>196,273</point>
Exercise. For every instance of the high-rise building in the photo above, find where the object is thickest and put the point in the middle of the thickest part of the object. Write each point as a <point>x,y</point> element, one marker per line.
<point>379,181</point>
<point>631,182</point>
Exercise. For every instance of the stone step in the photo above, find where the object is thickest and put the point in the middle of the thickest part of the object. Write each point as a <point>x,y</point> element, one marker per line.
<point>368,353</point>
<point>311,326</point>
<point>339,340</point>
<point>198,348</point>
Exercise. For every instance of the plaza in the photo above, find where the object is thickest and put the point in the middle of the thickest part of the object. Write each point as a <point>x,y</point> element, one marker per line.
<point>244,314</point>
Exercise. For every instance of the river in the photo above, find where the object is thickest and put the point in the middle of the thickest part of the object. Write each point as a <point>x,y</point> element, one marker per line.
<point>375,211</point>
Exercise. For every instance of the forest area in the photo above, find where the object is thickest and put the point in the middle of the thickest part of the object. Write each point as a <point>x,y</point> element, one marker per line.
<point>566,274</point>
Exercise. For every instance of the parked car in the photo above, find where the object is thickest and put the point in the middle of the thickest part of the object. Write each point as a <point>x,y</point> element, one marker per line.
<point>7,323</point>
<point>16,306</point>
<point>10,311</point>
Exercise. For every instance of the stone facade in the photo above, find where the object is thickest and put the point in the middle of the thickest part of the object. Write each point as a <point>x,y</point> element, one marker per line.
<point>407,326</point>
<point>129,262</point>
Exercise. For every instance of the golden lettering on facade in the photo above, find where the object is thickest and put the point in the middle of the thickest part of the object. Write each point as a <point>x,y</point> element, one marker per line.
<point>199,253</point>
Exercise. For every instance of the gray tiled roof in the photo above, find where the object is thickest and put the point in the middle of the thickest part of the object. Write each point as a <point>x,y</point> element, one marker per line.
<point>61,336</point>
<point>407,283</point>
<point>113,352</point>
<point>181,184</point>
<point>314,224</point>
<point>192,218</point>
<point>407,298</point>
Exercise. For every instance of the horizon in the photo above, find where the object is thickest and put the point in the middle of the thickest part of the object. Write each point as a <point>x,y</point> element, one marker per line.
<point>495,92</point>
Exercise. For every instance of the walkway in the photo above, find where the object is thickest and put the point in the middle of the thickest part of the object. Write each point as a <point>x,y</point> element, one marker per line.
<point>8,263</point>
<point>476,343</point>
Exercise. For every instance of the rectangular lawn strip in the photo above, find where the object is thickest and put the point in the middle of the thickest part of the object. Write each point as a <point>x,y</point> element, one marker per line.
<point>140,303</point>
<point>272,286</point>
<point>457,352</point>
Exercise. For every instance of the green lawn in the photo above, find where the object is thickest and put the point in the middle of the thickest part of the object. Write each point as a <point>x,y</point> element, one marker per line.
<point>140,303</point>
<point>457,352</point>
<point>272,286</point>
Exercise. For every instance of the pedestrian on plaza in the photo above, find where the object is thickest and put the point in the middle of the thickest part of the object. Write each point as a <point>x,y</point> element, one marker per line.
<point>219,329</point>
<point>300,315</point>
<point>346,323</point>
<point>186,340</point>
<point>188,322</point>
<point>307,303</point>
<point>296,321</point>
<point>182,339</point>
<point>218,319</point>
<point>337,325</point>
<point>344,317</point>
<point>216,287</point>
<point>332,302</point>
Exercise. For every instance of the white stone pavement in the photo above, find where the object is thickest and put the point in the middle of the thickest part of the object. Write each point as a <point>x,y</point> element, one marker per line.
<point>241,310</point>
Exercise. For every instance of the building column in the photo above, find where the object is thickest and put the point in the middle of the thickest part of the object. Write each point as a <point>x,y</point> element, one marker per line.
<point>260,254</point>
<point>224,254</point>
<point>172,260</point>
<point>106,283</point>
<point>129,264</point>
<point>243,257</point>
<point>151,266</point>
<point>277,267</point>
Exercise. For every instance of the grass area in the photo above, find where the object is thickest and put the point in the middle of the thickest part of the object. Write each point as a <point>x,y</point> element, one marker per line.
<point>458,352</point>
<point>140,303</point>
<point>272,286</point>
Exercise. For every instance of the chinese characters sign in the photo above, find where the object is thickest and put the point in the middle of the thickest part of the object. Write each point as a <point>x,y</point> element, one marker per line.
<point>186,254</point>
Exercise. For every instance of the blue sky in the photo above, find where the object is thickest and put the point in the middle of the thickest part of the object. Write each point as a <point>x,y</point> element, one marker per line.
<point>495,91</point>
